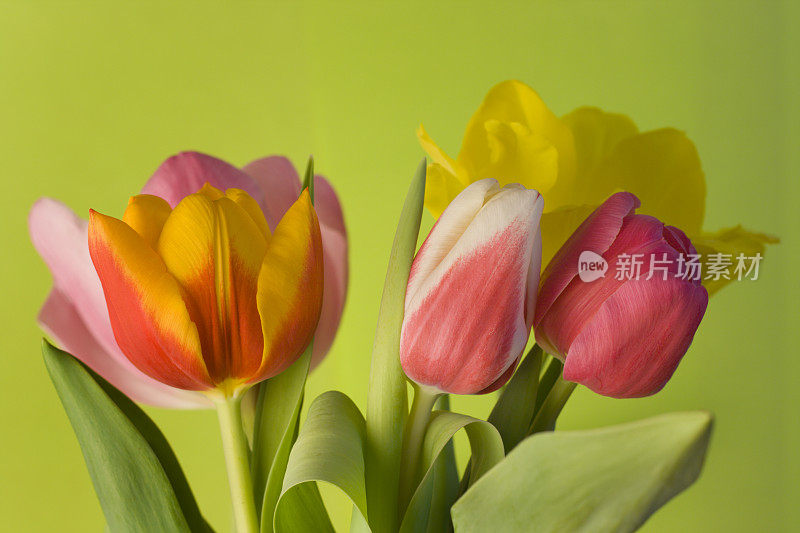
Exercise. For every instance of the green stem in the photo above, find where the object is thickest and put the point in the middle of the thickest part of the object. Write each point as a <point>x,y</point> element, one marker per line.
<point>545,419</point>
<point>414,434</point>
<point>234,445</point>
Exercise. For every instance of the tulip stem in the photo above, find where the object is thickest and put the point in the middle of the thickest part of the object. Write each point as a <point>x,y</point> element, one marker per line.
<point>545,419</point>
<point>413,437</point>
<point>234,445</point>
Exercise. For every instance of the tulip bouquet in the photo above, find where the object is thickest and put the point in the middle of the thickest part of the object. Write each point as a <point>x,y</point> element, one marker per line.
<point>223,287</point>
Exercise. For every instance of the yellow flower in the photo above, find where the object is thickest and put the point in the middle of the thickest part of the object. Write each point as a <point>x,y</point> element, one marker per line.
<point>578,161</point>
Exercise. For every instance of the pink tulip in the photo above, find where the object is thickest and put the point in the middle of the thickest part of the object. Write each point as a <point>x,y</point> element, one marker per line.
<point>75,313</point>
<point>472,290</point>
<point>620,332</point>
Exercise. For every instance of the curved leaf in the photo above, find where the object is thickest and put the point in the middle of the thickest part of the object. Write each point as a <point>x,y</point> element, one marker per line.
<point>601,480</point>
<point>487,451</point>
<point>274,430</point>
<point>387,404</point>
<point>135,473</point>
<point>329,448</point>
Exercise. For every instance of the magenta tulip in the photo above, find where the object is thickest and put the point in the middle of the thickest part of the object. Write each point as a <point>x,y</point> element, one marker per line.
<point>75,313</point>
<point>619,303</point>
<point>472,290</point>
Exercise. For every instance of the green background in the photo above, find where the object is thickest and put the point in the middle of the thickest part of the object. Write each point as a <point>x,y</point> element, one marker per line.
<point>93,96</point>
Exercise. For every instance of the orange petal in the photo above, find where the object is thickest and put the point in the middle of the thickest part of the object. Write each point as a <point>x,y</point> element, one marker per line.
<point>290,288</point>
<point>149,318</point>
<point>214,249</point>
<point>146,214</point>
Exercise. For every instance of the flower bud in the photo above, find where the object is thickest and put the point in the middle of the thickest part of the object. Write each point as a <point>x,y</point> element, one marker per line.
<point>623,329</point>
<point>472,290</point>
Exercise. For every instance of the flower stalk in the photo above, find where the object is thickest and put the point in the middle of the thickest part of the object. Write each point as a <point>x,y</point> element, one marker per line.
<point>234,445</point>
<point>413,437</point>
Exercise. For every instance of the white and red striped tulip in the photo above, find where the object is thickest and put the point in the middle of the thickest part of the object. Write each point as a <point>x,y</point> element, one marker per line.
<point>620,335</point>
<point>472,290</point>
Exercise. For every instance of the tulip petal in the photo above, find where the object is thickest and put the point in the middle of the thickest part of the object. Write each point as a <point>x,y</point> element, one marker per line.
<point>60,237</point>
<point>214,250</point>
<point>479,250</point>
<point>290,288</point>
<point>280,183</point>
<point>278,178</point>
<point>335,264</point>
<point>512,130</point>
<point>637,360</point>
<point>596,234</point>
<point>146,214</point>
<point>61,321</point>
<point>150,320</point>
<point>185,173</point>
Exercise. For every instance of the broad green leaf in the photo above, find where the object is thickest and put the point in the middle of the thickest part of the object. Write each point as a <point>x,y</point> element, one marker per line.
<point>387,406</point>
<point>600,480</point>
<point>513,413</point>
<point>329,448</point>
<point>274,431</point>
<point>487,451</point>
<point>136,476</point>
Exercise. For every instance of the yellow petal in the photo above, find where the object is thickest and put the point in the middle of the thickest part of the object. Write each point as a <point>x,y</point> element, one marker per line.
<point>509,136</point>
<point>596,134</point>
<point>558,225</point>
<point>290,288</point>
<point>150,321</point>
<point>440,188</point>
<point>662,168</point>
<point>214,250</point>
<point>730,241</point>
<point>146,214</point>
<point>251,207</point>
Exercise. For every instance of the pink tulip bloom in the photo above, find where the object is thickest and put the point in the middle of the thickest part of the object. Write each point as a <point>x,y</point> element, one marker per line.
<point>623,330</point>
<point>75,314</point>
<point>472,290</point>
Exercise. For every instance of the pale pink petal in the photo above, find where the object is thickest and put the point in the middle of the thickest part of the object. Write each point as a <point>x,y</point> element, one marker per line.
<point>186,173</point>
<point>634,342</point>
<point>60,320</point>
<point>61,238</point>
<point>595,234</point>
<point>280,183</point>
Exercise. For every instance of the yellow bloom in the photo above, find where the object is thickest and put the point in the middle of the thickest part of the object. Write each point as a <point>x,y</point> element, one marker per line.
<point>578,161</point>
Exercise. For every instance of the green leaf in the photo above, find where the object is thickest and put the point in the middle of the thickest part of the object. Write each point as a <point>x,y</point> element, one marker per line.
<point>387,404</point>
<point>513,413</point>
<point>487,451</point>
<point>135,473</point>
<point>329,448</point>
<point>551,374</point>
<point>445,482</point>
<point>601,480</point>
<point>274,431</point>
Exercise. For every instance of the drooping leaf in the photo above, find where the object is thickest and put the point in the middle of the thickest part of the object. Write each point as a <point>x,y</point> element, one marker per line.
<point>601,480</point>
<point>329,448</point>
<point>135,473</point>
<point>514,410</point>
<point>387,401</point>
<point>274,431</point>
<point>487,451</point>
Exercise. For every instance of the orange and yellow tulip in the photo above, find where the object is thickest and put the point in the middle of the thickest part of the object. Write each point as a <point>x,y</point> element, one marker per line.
<point>204,297</point>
